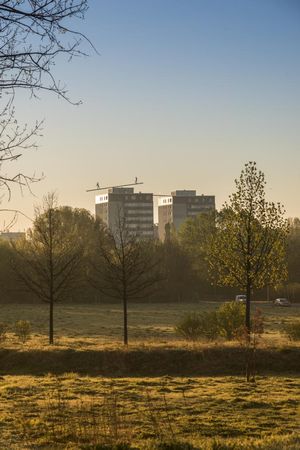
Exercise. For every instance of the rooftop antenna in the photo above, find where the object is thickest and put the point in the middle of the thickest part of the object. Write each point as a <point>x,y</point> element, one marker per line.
<point>99,188</point>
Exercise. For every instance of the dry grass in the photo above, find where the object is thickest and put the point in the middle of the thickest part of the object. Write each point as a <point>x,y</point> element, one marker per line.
<point>70,411</point>
<point>95,326</point>
<point>82,410</point>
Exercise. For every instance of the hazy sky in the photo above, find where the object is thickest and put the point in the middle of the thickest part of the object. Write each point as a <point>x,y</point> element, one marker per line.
<point>181,95</point>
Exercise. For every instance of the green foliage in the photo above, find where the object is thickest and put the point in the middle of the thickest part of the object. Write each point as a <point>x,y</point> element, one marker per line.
<point>8,279</point>
<point>195,326</point>
<point>292,330</point>
<point>230,317</point>
<point>3,331</point>
<point>195,236</point>
<point>293,251</point>
<point>48,263</point>
<point>249,246</point>
<point>179,277</point>
<point>223,322</point>
<point>22,329</point>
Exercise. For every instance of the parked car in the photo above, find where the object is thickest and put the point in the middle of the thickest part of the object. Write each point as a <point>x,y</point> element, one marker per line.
<point>282,302</point>
<point>241,298</point>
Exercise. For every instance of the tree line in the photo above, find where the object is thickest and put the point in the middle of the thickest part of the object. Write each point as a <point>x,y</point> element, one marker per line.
<point>68,255</point>
<point>202,260</point>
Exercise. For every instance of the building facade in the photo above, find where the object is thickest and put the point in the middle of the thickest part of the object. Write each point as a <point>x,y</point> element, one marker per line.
<point>12,235</point>
<point>123,205</point>
<point>181,204</point>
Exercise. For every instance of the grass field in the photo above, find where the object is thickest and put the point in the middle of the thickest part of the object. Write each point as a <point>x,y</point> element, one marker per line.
<point>93,325</point>
<point>69,411</point>
<point>89,392</point>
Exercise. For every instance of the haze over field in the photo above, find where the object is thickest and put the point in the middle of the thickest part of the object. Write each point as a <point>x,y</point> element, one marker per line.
<point>182,94</point>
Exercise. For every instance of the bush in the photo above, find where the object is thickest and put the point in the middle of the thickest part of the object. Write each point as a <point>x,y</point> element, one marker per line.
<point>224,322</point>
<point>3,331</point>
<point>292,330</point>
<point>23,330</point>
<point>195,326</point>
<point>231,317</point>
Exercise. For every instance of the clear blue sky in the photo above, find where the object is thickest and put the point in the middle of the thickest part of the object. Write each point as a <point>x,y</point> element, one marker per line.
<point>182,94</point>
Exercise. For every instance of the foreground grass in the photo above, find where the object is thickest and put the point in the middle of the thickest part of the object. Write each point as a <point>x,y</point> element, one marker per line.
<point>71,411</point>
<point>42,407</point>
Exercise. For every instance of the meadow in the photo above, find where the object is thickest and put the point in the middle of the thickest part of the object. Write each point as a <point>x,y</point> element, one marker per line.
<point>89,392</point>
<point>88,412</point>
<point>90,325</point>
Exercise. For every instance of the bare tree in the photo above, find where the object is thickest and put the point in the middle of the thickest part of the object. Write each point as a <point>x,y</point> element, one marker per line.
<point>33,33</point>
<point>125,267</point>
<point>14,140</point>
<point>48,262</point>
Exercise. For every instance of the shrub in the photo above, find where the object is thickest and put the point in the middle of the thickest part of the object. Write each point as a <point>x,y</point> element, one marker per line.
<point>231,317</point>
<point>195,326</point>
<point>23,330</point>
<point>3,331</point>
<point>224,322</point>
<point>292,330</point>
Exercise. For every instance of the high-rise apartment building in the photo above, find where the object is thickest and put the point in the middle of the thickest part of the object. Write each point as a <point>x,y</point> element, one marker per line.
<point>123,204</point>
<point>174,210</point>
<point>12,235</point>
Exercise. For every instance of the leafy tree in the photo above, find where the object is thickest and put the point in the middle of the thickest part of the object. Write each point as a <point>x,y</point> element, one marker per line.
<point>293,251</point>
<point>8,279</point>
<point>49,262</point>
<point>248,249</point>
<point>176,265</point>
<point>194,236</point>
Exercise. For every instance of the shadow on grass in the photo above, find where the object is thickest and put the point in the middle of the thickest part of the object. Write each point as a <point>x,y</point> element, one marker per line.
<point>150,362</point>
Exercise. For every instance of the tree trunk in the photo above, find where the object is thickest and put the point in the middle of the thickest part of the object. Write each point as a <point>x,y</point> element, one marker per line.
<point>248,304</point>
<point>125,318</point>
<point>51,322</point>
<point>51,278</point>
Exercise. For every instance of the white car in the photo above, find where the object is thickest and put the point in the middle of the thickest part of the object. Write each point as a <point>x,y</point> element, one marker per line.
<point>282,302</point>
<point>241,298</point>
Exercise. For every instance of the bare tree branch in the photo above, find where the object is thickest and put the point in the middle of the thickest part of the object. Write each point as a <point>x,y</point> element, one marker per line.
<point>33,33</point>
<point>14,141</point>
<point>125,267</point>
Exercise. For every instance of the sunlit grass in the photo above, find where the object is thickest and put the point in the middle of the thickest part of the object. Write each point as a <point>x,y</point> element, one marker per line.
<point>79,411</point>
<point>48,410</point>
<point>91,326</point>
